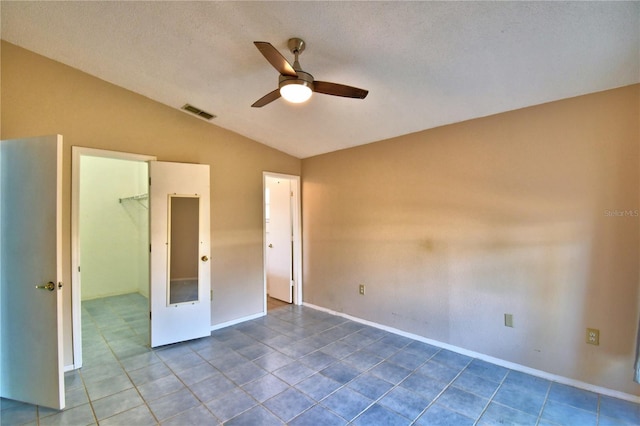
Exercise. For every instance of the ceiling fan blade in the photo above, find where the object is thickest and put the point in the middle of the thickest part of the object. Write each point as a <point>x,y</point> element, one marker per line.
<point>336,89</point>
<point>266,99</point>
<point>275,58</point>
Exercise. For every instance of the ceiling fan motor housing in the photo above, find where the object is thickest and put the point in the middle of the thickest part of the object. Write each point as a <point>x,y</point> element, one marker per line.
<point>303,79</point>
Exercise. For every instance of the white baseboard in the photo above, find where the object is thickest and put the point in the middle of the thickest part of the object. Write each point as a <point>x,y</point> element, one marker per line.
<point>507,364</point>
<point>237,321</point>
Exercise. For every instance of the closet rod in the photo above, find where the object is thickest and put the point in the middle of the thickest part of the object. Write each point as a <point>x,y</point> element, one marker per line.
<point>134,197</point>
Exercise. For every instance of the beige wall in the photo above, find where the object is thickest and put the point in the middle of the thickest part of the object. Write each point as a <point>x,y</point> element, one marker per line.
<point>40,96</point>
<point>451,228</point>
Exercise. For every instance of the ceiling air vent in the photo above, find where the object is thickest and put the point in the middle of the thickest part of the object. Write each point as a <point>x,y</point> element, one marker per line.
<point>198,112</point>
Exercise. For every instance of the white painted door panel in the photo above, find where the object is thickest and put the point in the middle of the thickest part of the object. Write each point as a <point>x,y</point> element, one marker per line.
<point>279,241</point>
<point>177,322</point>
<point>31,367</point>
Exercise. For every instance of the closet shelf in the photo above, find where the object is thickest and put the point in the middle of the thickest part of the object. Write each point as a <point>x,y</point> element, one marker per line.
<point>137,198</point>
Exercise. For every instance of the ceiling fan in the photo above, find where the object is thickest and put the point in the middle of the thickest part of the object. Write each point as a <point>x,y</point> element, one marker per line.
<point>294,84</point>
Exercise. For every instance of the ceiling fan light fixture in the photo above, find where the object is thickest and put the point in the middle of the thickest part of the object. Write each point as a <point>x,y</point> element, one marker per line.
<point>295,91</point>
<point>294,84</point>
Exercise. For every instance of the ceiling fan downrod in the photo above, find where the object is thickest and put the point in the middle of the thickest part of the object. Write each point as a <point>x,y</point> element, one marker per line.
<point>296,46</point>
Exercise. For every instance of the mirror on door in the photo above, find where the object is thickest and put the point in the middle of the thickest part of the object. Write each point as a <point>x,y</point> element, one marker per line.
<point>183,249</point>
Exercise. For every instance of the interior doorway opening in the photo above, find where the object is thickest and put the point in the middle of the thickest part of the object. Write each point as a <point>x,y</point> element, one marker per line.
<point>110,255</point>
<point>282,240</point>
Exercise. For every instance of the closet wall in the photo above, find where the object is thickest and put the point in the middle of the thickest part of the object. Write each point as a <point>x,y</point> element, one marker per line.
<point>113,233</point>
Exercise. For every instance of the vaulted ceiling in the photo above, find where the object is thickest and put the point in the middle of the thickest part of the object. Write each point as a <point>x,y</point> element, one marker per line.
<point>425,64</point>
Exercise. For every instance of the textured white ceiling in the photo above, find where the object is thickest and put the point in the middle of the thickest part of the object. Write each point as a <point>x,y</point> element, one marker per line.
<point>425,64</point>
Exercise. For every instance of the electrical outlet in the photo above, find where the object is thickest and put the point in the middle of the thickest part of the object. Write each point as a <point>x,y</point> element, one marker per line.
<point>508,320</point>
<point>593,336</point>
<point>361,289</point>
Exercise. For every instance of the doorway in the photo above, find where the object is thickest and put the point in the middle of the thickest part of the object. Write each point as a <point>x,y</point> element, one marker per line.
<point>282,240</point>
<point>110,239</point>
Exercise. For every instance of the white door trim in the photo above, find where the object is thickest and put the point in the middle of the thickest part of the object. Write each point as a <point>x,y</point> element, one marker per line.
<point>297,236</point>
<point>76,294</point>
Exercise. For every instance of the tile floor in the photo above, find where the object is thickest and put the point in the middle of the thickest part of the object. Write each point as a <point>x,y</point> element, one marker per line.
<point>298,366</point>
<point>275,303</point>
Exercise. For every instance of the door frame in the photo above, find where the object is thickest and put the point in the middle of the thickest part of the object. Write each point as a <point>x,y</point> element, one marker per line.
<point>296,220</point>
<point>77,153</point>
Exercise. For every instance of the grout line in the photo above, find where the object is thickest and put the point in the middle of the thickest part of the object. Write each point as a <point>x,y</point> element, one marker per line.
<point>544,403</point>
<point>433,401</point>
<point>495,392</point>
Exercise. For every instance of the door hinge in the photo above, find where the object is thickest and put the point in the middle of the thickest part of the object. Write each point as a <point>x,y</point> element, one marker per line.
<point>78,269</point>
<point>292,193</point>
<point>149,315</point>
<point>211,294</point>
<point>149,181</point>
<point>149,248</point>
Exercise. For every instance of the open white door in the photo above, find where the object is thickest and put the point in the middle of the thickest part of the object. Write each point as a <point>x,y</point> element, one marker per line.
<point>31,366</point>
<point>179,233</point>
<point>279,239</point>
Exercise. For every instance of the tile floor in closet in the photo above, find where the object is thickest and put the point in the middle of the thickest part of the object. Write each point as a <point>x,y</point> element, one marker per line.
<point>297,366</point>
